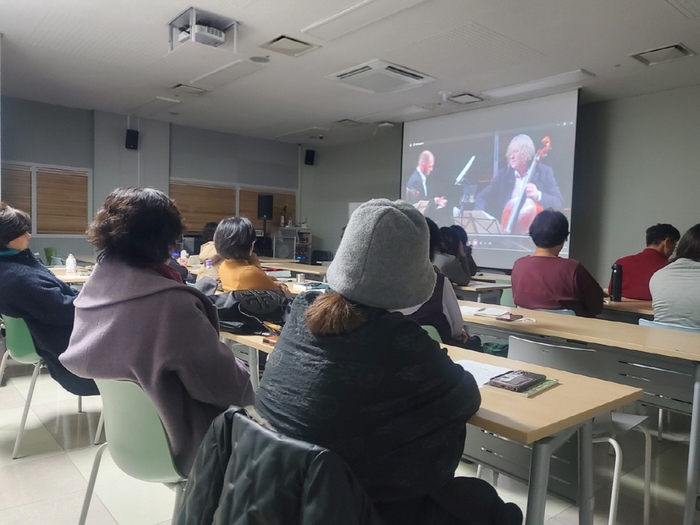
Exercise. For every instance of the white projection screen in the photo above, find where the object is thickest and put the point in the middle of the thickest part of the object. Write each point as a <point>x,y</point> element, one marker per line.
<point>471,181</point>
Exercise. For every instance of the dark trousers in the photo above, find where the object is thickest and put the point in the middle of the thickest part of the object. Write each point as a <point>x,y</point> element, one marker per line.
<point>462,501</point>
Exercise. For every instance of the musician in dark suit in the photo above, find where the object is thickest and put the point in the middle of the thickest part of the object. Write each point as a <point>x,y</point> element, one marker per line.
<point>508,182</point>
<point>417,187</point>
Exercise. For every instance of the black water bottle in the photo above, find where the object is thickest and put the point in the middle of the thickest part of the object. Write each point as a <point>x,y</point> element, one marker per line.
<point>616,283</point>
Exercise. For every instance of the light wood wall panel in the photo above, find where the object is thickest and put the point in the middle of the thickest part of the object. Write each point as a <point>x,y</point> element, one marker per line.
<point>17,187</point>
<point>201,203</point>
<point>61,201</point>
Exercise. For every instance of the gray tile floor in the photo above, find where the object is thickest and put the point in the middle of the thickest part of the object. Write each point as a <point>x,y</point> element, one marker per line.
<point>47,483</point>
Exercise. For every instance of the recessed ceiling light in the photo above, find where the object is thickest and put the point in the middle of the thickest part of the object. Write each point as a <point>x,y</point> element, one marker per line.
<point>663,54</point>
<point>465,98</point>
<point>260,60</point>
<point>289,46</point>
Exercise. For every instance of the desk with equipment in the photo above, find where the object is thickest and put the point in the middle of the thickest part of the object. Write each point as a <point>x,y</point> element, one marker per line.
<point>665,363</point>
<point>543,422</point>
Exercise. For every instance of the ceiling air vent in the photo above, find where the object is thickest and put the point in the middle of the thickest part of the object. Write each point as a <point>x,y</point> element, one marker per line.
<point>663,54</point>
<point>378,76</point>
<point>289,46</point>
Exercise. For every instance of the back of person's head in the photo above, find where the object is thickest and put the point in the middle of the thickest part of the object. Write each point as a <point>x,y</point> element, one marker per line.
<point>234,238</point>
<point>549,229</point>
<point>13,223</point>
<point>208,231</point>
<point>461,233</point>
<point>660,232</point>
<point>435,240</point>
<point>450,240</point>
<point>689,245</point>
<point>382,262</point>
<point>139,226</point>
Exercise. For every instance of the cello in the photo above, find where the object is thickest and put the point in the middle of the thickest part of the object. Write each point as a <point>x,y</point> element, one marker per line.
<point>520,211</point>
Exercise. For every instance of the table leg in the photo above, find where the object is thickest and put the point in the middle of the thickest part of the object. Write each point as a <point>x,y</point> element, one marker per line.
<point>691,487</point>
<point>585,472</point>
<point>254,368</point>
<point>542,451</point>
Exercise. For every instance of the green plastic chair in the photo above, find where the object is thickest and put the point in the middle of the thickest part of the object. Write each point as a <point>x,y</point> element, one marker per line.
<point>136,438</point>
<point>20,347</point>
<point>50,254</point>
<point>432,332</point>
<point>57,261</point>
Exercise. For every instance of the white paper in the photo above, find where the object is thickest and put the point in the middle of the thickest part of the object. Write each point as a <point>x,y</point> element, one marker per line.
<point>486,312</point>
<point>482,372</point>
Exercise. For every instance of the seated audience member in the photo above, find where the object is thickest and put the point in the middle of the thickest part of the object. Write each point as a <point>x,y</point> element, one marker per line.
<point>442,311</point>
<point>136,321</point>
<point>675,289</point>
<point>234,240</point>
<point>545,280</point>
<point>451,259</point>
<point>638,269</point>
<point>352,374</point>
<point>208,250</point>
<point>464,245</point>
<point>31,292</point>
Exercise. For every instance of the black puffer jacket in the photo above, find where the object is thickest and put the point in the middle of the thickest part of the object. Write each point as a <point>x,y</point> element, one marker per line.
<point>248,475</point>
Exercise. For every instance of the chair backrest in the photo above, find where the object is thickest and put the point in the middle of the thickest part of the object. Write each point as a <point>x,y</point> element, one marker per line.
<point>57,261</point>
<point>135,434</point>
<point>432,332</point>
<point>646,322</point>
<point>50,253</point>
<point>19,341</point>
<point>562,311</point>
<point>578,360</point>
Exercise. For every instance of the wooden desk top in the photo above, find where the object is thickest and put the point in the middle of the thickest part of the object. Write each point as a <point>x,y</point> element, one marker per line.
<point>60,273</point>
<point>481,286</point>
<point>297,267</point>
<point>649,339</point>
<point>523,419</point>
<point>272,260</point>
<point>491,277</point>
<point>630,305</point>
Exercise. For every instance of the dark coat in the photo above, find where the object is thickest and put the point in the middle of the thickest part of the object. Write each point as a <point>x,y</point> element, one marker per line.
<point>30,291</point>
<point>385,397</point>
<point>248,475</point>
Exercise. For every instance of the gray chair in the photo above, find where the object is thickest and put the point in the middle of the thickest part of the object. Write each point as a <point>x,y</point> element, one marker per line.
<point>589,362</point>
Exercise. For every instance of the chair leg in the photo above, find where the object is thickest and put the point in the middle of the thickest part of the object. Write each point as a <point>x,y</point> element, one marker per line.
<point>27,403</point>
<point>3,364</point>
<point>80,404</point>
<point>617,471</point>
<point>647,472</point>
<point>179,489</point>
<point>660,426</point>
<point>100,424</point>
<point>91,484</point>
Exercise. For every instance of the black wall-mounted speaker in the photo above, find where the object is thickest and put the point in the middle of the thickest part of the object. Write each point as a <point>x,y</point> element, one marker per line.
<point>132,139</point>
<point>309,157</point>
<point>265,206</point>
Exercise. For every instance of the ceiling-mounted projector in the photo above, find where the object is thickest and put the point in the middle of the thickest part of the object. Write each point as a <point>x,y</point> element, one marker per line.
<point>202,34</point>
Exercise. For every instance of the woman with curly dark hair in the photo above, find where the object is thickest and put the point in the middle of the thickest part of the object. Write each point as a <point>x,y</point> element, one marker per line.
<point>136,321</point>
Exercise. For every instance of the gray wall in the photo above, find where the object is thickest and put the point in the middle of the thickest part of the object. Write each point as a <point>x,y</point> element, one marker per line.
<point>199,154</point>
<point>350,173</point>
<point>636,165</point>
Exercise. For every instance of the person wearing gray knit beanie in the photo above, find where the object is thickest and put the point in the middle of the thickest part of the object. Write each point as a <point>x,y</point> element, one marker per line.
<point>383,259</point>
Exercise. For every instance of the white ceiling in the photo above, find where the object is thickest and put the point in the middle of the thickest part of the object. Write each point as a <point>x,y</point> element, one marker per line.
<point>112,55</point>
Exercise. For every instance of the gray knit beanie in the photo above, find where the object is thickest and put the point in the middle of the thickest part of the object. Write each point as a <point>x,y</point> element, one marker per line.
<point>383,260</point>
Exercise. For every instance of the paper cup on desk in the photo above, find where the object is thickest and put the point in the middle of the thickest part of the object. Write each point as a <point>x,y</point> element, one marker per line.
<point>301,278</point>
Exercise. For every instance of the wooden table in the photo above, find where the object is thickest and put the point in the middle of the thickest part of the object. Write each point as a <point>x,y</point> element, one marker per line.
<point>544,421</point>
<point>61,275</point>
<point>296,267</point>
<point>482,291</point>
<point>272,260</point>
<point>491,277</point>
<point>664,363</point>
<point>627,310</point>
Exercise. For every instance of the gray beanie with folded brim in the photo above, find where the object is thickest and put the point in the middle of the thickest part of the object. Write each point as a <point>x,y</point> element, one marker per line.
<point>382,260</point>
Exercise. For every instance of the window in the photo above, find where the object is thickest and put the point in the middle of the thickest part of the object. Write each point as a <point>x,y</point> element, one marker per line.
<point>57,198</point>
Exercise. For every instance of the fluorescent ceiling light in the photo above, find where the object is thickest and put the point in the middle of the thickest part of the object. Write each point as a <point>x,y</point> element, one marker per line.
<point>663,54</point>
<point>538,85</point>
<point>356,17</point>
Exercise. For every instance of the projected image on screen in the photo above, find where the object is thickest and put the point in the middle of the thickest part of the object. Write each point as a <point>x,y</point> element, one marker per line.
<point>492,171</point>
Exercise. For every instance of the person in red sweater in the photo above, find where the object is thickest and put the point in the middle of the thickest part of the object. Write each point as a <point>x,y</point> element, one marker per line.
<point>545,280</point>
<point>637,269</point>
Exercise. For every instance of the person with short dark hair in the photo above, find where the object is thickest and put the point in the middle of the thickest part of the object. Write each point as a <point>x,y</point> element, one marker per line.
<point>675,289</point>
<point>30,291</point>
<point>545,280</point>
<point>356,376</point>
<point>234,240</point>
<point>637,269</point>
<point>451,259</point>
<point>135,320</point>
